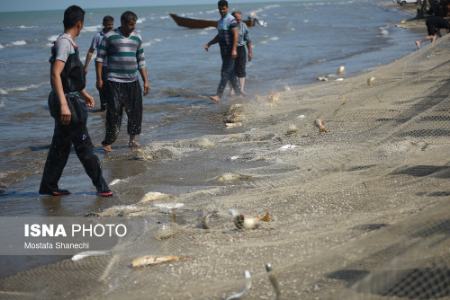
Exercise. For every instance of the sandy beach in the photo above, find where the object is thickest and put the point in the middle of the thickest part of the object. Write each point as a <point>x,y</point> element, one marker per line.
<point>357,212</point>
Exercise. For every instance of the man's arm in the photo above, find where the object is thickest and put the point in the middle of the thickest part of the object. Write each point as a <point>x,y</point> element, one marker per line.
<point>99,72</point>
<point>90,102</point>
<point>88,59</point>
<point>144,75</point>
<point>250,50</point>
<point>215,40</point>
<point>57,68</point>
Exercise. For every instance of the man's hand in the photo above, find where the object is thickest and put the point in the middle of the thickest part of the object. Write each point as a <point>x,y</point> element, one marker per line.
<point>65,115</point>
<point>250,56</point>
<point>234,53</point>
<point>146,87</point>
<point>90,102</point>
<point>85,69</point>
<point>99,84</point>
<point>206,47</point>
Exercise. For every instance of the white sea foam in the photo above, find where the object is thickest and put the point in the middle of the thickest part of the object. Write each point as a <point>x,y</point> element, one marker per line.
<point>147,44</point>
<point>255,12</point>
<point>274,38</point>
<point>52,38</point>
<point>157,40</point>
<point>93,28</point>
<point>17,43</point>
<point>164,17</point>
<point>1,46</point>
<point>141,20</point>
<point>26,27</point>
<point>21,88</point>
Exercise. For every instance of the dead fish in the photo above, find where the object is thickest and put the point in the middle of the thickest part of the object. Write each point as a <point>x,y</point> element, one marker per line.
<point>266,217</point>
<point>292,129</point>
<point>340,70</point>
<point>287,147</point>
<point>322,78</point>
<point>233,125</point>
<point>321,124</point>
<point>115,181</point>
<point>151,260</point>
<point>243,222</point>
<point>82,255</point>
<point>248,286</point>
<point>166,231</point>
<point>370,81</point>
<point>168,208</point>
<point>339,79</point>
<point>205,143</point>
<point>274,97</point>
<point>274,282</point>
<point>153,196</point>
<point>227,177</point>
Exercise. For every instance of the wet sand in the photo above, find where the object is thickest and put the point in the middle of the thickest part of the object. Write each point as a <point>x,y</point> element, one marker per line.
<point>359,211</point>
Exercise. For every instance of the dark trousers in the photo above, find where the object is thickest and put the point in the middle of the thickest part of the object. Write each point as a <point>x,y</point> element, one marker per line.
<point>103,93</point>
<point>241,61</point>
<point>228,74</point>
<point>122,96</point>
<point>63,137</point>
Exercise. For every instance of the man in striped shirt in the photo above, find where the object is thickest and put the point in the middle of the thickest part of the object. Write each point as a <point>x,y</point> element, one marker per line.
<point>123,49</point>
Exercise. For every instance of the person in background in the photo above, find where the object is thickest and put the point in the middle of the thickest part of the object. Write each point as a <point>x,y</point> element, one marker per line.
<point>227,38</point>
<point>122,48</point>
<point>244,50</point>
<point>434,26</point>
<point>108,25</point>
<point>67,104</point>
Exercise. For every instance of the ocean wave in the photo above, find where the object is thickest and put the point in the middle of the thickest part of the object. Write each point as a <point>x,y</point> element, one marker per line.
<point>255,12</point>
<point>1,46</point>
<point>52,38</point>
<point>149,43</point>
<point>26,27</point>
<point>141,20</point>
<point>17,43</point>
<point>93,28</point>
<point>25,88</point>
<point>164,17</point>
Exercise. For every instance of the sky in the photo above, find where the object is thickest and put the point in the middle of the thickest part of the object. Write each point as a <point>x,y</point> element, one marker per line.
<point>30,5</point>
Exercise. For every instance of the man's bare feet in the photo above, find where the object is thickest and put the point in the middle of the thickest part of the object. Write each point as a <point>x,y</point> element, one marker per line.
<point>215,99</point>
<point>418,44</point>
<point>133,144</point>
<point>107,148</point>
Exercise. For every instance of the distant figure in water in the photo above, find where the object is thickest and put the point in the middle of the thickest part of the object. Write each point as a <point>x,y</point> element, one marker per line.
<point>434,26</point>
<point>244,50</point>
<point>122,48</point>
<point>67,103</point>
<point>108,25</point>
<point>227,38</point>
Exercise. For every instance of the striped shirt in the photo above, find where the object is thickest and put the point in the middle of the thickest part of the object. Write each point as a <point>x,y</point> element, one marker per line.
<point>125,55</point>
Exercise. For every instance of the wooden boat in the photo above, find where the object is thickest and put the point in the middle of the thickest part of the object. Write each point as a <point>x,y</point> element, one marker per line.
<point>199,23</point>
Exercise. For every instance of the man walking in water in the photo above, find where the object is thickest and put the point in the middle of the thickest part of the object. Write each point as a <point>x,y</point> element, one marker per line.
<point>108,25</point>
<point>227,38</point>
<point>434,26</point>
<point>244,50</point>
<point>67,103</point>
<point>123,49</point>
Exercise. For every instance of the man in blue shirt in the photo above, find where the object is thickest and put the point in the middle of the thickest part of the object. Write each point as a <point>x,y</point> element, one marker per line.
<point>227,38</point>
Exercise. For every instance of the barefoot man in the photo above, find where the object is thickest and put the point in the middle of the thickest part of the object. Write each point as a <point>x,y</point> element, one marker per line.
<point>434,26</point>
<point>227,38</point>
<point>244,50</point>
<point>108,25</point>
<point>123,49</point>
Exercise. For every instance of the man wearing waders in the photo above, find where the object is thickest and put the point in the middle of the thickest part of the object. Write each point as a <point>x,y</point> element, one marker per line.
<point>122,47</point>
<point>67,103</point>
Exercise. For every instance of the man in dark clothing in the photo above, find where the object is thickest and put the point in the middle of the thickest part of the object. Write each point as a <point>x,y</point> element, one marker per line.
<point>67,103</point>
<point>227,38</point>
<point>434,26</point>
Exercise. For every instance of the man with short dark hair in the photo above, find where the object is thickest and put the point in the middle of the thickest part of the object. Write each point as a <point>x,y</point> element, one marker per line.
<point>123,49</point>
<point>227,38</point>
<point>67,104</point>
<point>108,25</point>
